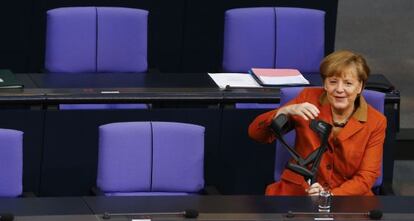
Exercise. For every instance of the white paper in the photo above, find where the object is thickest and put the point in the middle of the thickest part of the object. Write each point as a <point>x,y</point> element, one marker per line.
<point>299,79</point>
<point>234,80</point>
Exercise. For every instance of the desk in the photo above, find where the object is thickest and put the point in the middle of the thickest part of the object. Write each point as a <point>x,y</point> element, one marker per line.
<point>250,207</point>
<point>63,151</point>
<point>209,207</point>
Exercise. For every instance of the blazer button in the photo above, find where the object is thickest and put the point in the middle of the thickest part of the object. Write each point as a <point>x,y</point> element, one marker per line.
<point>329,167</point>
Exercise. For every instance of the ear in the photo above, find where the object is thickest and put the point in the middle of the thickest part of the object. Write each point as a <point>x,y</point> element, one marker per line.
<point>323,84</point>
<point>361,87</point>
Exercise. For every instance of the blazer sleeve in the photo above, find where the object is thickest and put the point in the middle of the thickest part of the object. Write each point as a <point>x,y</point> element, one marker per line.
<point>370,168</point>
<point>259,129</point>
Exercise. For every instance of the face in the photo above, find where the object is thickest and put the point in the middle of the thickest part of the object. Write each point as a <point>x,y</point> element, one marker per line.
<point>343,90</point>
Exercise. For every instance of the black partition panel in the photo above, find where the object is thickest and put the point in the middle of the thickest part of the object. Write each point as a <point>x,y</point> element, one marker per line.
<point>15,40</point>
<point>247,166</point>
<point>30,122</point>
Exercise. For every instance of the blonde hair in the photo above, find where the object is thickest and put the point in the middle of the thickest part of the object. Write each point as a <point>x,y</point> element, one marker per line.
<point>337,63</point>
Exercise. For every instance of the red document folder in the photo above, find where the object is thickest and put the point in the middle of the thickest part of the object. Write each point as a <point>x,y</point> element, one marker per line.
<point>270,76</point>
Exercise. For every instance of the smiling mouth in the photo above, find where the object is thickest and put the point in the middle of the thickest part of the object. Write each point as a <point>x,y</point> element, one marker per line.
<point>340,98</point>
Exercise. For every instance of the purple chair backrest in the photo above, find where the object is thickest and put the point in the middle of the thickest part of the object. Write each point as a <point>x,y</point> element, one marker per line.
<point>273,37</point>
<point>146,158</point>
<point>11,158</point>
<point>374,98</point>
<point>96,39</point>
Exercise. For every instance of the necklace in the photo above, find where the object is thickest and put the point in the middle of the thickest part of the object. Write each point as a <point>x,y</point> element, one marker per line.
<point>336,124</point>
<point>342,125</point>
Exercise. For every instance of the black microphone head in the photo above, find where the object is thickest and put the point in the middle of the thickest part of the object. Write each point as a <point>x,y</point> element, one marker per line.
<point>290,214</point>
<point>6,217</point>
<point>106,215</point>
<point>190,213</point>
<point>375,214</point>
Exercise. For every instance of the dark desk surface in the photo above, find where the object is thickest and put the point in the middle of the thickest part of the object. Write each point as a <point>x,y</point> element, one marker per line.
<point>245,204</point>
<point>123,80</point>
<point>129,87</point>
<point>209,207</point>
<point>44,206</point>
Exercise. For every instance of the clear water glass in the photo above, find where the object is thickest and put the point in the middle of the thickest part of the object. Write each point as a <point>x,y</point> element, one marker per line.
<point>325,201</point>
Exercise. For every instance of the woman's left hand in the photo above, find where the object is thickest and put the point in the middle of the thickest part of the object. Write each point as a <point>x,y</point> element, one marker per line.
<point>314,189</point>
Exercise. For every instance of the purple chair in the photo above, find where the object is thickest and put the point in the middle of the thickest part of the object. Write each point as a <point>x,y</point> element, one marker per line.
<point>96,40</point>
<point>11,160</point>
<point>273,37</point>
<point>374,98</point>
<point>150,158</point>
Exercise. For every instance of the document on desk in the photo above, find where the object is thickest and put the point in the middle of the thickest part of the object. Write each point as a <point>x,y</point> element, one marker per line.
<point>9,80</point>
<point>224,80</point>
<point>277,76</point>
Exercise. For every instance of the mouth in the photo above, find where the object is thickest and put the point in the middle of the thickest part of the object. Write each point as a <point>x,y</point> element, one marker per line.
<point>340,98</point>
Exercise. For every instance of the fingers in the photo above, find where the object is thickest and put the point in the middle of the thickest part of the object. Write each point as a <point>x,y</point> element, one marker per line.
<point>314,189</point>
<point>305,110</point>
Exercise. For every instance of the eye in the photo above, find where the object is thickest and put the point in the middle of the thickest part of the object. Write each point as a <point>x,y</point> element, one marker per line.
<point>348,83</point>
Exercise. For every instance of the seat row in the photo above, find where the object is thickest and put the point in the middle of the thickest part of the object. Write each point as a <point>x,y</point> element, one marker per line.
<point>113,39</point>
<point>135,158</point>
<point>147,158</point>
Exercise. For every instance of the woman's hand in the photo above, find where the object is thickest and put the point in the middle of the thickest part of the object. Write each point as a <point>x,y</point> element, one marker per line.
<point>314,189</point>
<point>305,110</point>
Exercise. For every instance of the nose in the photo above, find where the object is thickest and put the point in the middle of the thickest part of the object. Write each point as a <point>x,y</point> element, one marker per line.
<point>340,87</point>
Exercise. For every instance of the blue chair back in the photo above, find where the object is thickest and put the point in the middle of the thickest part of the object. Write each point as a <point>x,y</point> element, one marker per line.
<point>96,40</point>
<point>11,158</point>
<point>150,158</point>
<point>273,37</point>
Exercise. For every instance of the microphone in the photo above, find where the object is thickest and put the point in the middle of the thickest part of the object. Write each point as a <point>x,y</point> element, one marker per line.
<point>6,217</point>
<point>189,213</point>
<point>372,214</point>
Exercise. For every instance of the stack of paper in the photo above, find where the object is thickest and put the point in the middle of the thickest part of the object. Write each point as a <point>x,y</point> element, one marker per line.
<point>269,76</point>
<point>224,80</point>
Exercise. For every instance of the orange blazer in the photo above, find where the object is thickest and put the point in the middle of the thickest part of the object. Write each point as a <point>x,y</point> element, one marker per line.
<point>353,164</point>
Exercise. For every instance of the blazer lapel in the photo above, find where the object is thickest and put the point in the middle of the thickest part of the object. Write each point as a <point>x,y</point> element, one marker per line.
<point>352,127</point>
<point>356,122</point>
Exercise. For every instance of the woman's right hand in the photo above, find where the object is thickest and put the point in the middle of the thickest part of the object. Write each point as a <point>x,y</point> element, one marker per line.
<point>305,110</point>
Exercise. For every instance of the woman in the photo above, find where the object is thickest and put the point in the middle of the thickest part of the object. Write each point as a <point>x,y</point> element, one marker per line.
<point>353,163</point>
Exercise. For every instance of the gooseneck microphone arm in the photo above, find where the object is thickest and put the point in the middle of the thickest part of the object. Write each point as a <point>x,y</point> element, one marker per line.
<point>372,214</point>
<point>190,213</point>
<point>307,167</point>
